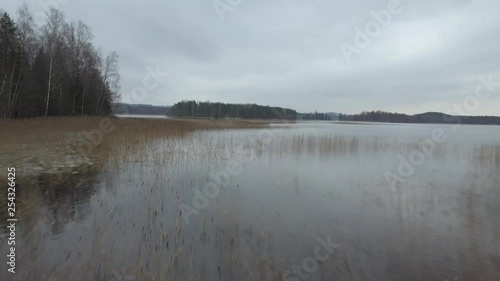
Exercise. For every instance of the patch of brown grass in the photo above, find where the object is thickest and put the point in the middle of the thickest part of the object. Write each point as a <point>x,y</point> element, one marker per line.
<point>54,139</point>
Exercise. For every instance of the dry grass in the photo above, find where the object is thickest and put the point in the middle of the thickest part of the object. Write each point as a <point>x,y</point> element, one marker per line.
<point>48,140</point>
<point>48,128</point>
<point>53,145</point>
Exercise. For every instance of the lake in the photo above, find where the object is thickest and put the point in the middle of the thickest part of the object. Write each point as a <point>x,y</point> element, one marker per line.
<point>140,116</point>
<point>299,201</point>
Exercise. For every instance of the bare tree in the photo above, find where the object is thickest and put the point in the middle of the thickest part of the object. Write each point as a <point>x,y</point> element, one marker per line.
<point>51,38</point>
<point>80,56</point>
<point>111,79</point>
<point>10,65</point>
<point>27,36</point>
<point>54,69</point>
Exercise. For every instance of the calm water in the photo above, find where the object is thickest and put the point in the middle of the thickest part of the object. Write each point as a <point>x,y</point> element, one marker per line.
<point>141,116</point>
<point>292,185</point>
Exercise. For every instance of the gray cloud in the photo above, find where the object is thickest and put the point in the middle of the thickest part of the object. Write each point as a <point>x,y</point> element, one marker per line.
<point>287,53</point>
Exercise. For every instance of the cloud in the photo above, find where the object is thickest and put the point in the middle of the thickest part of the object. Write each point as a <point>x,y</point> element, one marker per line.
<point>286,52</point>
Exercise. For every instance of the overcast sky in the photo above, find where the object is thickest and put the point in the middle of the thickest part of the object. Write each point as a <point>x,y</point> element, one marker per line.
<point>428,57</point>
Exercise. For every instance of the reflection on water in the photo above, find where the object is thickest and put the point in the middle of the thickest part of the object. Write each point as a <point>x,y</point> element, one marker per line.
<point>297,184</point>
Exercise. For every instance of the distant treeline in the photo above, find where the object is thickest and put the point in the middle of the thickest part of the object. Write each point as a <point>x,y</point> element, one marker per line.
<point>429,117</point>
<point>145,109</point>
<point>314,116</point>
<point>53,69</point>
<point>231,110</point>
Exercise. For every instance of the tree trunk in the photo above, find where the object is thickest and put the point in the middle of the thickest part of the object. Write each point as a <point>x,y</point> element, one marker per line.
<point>83,100</point>
<point>48,91</point>
<point>17,90</point>
<point>10,94</point>
<point>3,84</point>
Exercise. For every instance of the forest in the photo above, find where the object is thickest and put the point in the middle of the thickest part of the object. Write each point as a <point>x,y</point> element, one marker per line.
<point>429,117</point>
<point>53,69</point>
<point>140,109</point>
<point>314,116</point>
<point>190,108</point>
<point>230,110</point>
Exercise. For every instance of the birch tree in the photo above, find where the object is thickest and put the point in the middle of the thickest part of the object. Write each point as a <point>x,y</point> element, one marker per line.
<point>54,69</point>
<point>51,38</point>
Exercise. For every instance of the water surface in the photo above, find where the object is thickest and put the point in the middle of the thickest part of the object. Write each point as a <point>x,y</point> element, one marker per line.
<point>295,184</point>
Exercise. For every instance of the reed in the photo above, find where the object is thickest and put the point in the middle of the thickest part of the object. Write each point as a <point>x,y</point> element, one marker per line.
<point>45,141</point>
